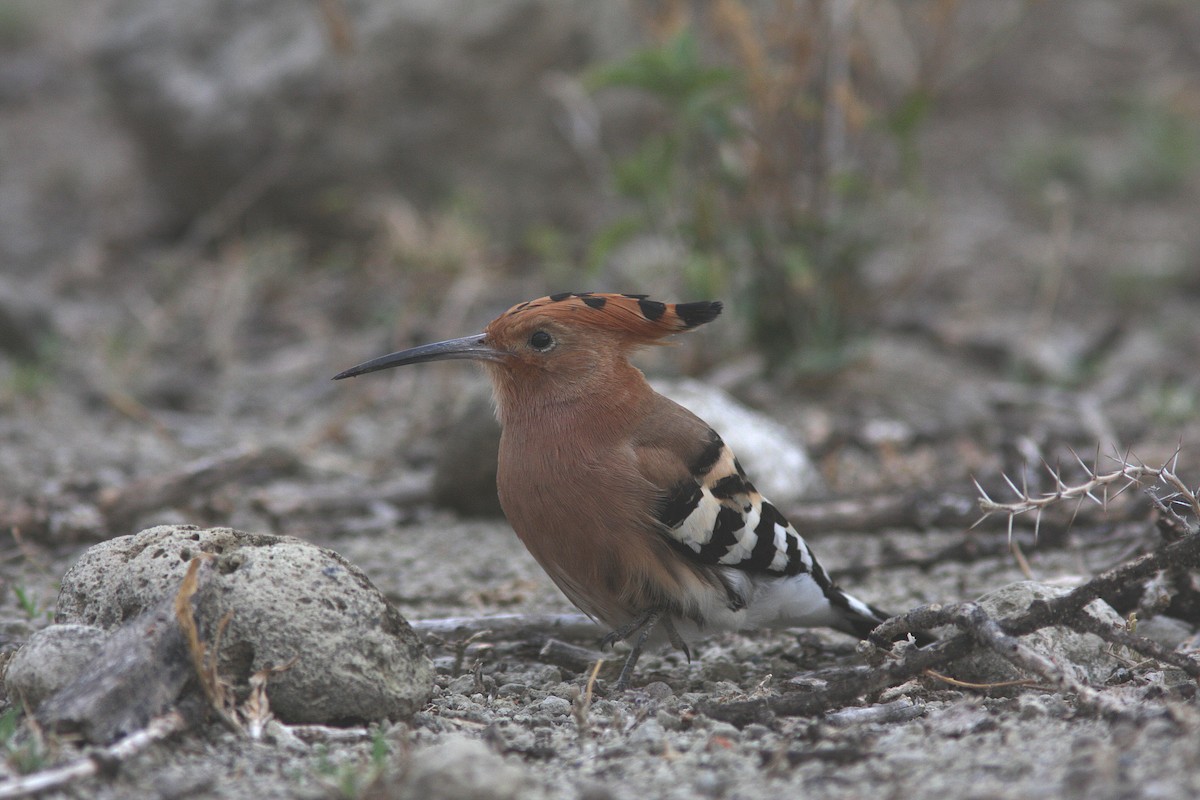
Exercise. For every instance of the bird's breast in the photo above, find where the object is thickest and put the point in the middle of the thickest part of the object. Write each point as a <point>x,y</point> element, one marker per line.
<point>584,512</point>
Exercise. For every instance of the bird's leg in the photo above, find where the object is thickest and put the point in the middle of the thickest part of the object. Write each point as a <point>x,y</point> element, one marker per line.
<point>642,625</point>
<point>676,640</point>
<point>646,619</point>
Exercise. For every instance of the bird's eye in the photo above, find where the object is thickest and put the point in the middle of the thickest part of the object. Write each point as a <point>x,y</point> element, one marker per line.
<point>540,340</point>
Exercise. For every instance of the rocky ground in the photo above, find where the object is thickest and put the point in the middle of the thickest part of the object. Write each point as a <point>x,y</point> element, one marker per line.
<point>1043,287</point>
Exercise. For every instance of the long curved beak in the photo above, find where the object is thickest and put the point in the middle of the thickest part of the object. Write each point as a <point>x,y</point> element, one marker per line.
<point>473,347</point>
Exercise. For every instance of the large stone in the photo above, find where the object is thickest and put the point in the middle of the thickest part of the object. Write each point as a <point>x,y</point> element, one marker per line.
<point>312,107</point>
<point>1083,655</point>
<point>356,658</point>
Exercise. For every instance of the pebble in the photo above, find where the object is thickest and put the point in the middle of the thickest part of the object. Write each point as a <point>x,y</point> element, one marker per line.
<point>649,735</point>
<point>555,706</point>
<point>459,768</point>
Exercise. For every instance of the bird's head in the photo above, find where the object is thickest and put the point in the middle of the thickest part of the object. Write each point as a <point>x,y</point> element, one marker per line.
<point>559,347</point>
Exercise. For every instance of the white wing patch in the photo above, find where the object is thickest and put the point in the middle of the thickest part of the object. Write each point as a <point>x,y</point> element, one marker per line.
<point>722,519</point>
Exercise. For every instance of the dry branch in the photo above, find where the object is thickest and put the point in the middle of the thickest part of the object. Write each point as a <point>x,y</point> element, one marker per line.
<point>991,635</point>
<point>1086,623</point>
<point>102,760</point>
<point>121,507</point>
<point>512,627</point>
<point>1099,488</point>
<point>839,687</point>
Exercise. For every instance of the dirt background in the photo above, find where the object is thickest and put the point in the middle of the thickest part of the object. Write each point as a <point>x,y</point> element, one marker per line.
<point>1042,285</point>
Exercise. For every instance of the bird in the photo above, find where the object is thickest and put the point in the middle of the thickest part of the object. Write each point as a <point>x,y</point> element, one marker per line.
<point>634,506</point>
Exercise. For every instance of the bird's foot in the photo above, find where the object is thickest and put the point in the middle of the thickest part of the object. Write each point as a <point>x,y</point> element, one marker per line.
<point>642,625</point>
<point>646,620</point>
<point>676,640</point>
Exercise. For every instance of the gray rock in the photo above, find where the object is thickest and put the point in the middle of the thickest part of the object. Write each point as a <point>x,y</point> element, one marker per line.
<point>358,659</point>
<point>26,324</point>
<point>555,706</point>
<point>649,734</point>
<point>411,97</point>
<point>52,658</point>
<point>1167,631</point>
<point>465,769</point>
<point>139,672</point>
<point>1083,655</point>
<point>464,477</point>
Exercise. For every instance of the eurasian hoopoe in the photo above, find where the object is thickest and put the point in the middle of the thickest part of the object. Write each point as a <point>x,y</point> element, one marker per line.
<point>633,505</point>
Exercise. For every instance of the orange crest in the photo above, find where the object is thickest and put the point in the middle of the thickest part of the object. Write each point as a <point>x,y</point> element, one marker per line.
<point>632,317</point>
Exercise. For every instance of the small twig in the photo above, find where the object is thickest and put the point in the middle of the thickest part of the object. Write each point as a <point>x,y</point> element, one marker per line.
<point>255,712</point>
<point>128,405</point>
<point>1022,562</point>
<point>461,646</point>
<point>583,703</point>
<point>897,711</point>
<point>98,761</point>
<point>1086,623</point>
<point>325,734</point>
<point>980,686</point>
<point>204,661</point>
<point>511,626</point>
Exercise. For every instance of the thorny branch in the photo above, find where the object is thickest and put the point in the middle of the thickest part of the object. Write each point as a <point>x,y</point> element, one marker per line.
<point>1100,488</point>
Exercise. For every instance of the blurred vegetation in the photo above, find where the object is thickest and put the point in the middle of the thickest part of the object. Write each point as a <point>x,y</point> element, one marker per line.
<point>17,23</point>
<point>1153,154</point>
<point>778,129</point>
<point>1164,146</point>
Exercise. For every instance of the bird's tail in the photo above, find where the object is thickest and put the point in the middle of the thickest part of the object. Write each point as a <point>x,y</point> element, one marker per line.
<point>860,618</point>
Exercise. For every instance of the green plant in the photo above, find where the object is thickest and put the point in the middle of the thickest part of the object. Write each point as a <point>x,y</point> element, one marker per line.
<point>1164,150</point>
<point>761,165</point>
<point>29,603</point>
<point>1059,159</point>
<point>34,373</point>
<point>352,779</point>
<point>24,751</point>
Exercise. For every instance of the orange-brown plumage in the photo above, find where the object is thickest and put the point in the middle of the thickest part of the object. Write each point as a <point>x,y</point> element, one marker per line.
<point>633,505</point>
<point>574,418</point>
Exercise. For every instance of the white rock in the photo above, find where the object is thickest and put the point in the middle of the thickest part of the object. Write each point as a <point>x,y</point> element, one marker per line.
<point>774,458</point>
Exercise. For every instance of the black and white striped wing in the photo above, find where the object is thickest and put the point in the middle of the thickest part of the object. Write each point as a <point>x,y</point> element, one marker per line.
<point>719,518</point>
<point>716,517</point>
